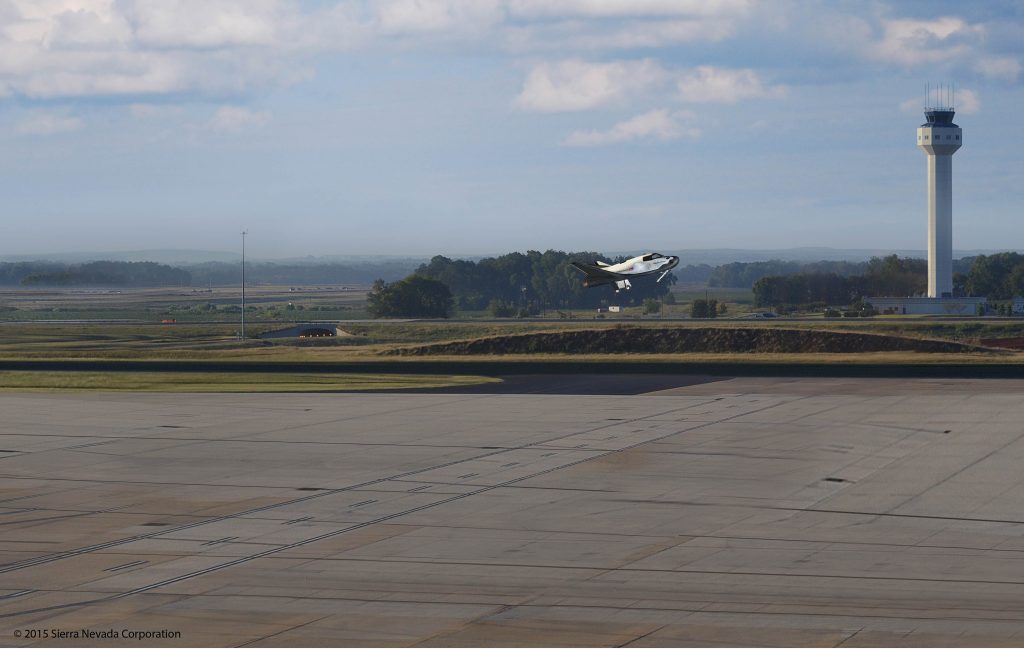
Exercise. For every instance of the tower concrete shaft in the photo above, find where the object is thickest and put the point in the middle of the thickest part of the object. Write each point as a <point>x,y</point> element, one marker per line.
<point>940,138</point>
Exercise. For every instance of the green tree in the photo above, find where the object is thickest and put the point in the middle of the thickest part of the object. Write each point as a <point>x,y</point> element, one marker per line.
<point>532,281</point>
<point>699,308</point>
<point>500,309</point>
<point>712,308</point>
<point>652,306</point>
<point>412,297</point>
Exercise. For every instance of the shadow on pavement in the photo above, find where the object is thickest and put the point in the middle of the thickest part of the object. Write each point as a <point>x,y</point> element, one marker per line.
<point>610,384</point>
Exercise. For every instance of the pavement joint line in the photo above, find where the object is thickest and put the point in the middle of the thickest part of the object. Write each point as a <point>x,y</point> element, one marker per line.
<point>4,568</point>
<point>605,570</point>
<point>814,510</point>
<point>124,566</point>
<point>172,580</point>
<point>30,521</point>
<point>632,607</point>
<point>959,471</point>
<point>232,440</point>
<point>751,609</point>
<point>641,637</point>
<point>288,630</point>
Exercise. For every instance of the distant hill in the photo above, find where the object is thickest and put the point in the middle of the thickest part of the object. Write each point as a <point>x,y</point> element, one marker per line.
<point>169,257</point>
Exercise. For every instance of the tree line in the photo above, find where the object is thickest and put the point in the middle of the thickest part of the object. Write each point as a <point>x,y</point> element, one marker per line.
<point>95,273</point>
<point>144,273</point>
<point>746,274</point>
<point>228,273</point>
<point>533,281</point>
<point>997,277</point>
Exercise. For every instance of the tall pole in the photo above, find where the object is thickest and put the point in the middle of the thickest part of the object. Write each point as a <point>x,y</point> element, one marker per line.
<point>243,283</point>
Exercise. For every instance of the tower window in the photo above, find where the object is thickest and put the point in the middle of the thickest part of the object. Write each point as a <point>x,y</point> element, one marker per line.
<point>958,137</point>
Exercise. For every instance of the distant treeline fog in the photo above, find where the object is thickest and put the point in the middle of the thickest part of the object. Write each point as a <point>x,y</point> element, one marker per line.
<point>548,279</point>
<point>148,274</point>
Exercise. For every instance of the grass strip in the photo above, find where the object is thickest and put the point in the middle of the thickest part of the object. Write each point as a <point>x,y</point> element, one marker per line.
<point>30,381</point>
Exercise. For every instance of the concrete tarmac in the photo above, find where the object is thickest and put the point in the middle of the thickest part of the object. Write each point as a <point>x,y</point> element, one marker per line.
<point>752,511</point>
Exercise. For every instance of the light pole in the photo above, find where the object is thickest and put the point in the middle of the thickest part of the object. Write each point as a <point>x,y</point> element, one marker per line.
<point>243,283</point>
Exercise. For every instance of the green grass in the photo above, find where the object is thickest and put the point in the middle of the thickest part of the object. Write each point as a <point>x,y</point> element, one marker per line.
<point>224,382</point>
<point>218,341</point>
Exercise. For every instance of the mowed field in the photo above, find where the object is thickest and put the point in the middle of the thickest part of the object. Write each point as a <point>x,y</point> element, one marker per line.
<point>196,326</point>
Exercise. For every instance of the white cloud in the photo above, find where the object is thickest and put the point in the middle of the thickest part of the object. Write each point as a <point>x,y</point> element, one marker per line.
<point>237,118</point>
<point>48,124</point>
<point>708,84</point>
<point>1004,68</point>
<point>612,35</point>
<point>205,23</point>
<point>910,106</point>
<point>578,85</point>
<point>76,48</point>
<point>418,16</point>
<point>966,102</point>
<point>654,125</point>
<point>151,111</point>
<point>915,42</point>
<point>622,8</point>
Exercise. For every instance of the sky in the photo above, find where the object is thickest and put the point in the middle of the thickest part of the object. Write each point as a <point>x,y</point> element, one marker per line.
<point>460,127</point>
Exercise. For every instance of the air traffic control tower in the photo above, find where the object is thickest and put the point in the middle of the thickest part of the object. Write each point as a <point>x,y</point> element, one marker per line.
<point>940,138</point>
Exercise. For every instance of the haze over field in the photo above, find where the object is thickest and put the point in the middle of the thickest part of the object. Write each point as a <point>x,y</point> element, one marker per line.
<point>421,127</point>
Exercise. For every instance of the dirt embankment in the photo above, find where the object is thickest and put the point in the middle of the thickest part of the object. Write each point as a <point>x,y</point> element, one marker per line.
<point>644,340</point>
<point>1004,343</point>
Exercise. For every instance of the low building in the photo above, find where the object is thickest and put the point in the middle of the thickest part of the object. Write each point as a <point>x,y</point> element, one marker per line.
<point>950,306</point>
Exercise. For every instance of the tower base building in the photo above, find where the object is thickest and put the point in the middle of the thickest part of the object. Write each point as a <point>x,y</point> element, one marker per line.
<point>947,306</point>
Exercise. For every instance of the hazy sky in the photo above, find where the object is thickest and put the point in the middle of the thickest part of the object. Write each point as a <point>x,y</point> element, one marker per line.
<point>483,126</point>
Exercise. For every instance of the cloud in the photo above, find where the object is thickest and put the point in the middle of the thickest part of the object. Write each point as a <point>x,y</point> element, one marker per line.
<point>625,8</point>
<point>654,125</point>
<point>48,124</point>
<point>707,84</point>
<point>606,35</point>
<point>967,102</point>
<point>236,118</point>
<point>419,16</point>
<point>916,42</point>
<point>150,111</point>
<point>573,84</point>
<point>81,48</point>
<point>206,23</point>
<point>1004,68</point>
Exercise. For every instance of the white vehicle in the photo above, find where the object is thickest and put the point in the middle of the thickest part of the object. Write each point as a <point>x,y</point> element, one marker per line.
<point>600,273</point>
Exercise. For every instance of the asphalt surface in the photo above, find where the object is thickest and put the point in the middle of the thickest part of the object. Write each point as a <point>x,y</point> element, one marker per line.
<point>580,384</point>
<point>748,511</point>
<point>537,367</point>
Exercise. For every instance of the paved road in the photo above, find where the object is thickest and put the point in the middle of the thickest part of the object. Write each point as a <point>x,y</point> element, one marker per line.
<point>745,511</point>
<point>632,364</point>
